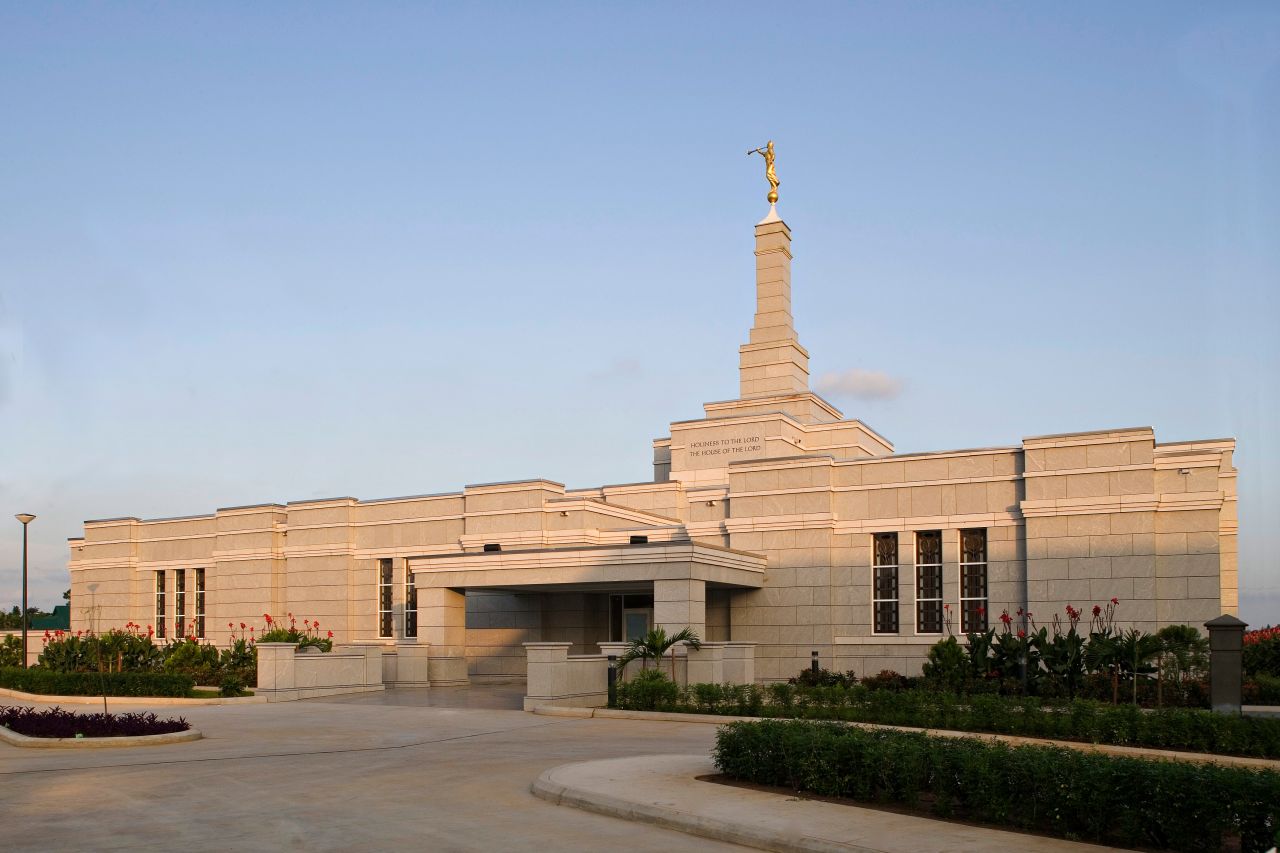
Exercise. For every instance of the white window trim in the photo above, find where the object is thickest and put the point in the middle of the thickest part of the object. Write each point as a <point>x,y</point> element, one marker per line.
<point>200,576</point>
<point>390,586</point>
<point>410,587</point>
<point>161,603</point>
<point>897,587</point>
<point>180,604</point>
<point>985,599</point>
<point>942,593</point>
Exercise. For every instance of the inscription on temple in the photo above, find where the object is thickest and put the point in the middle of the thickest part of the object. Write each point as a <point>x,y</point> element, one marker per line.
<point>725,446</point>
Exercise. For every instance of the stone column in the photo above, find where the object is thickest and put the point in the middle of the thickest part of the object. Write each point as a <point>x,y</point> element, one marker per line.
<point>442,625</point>
<point>773,362</point>
<point>1226,659</point>
<point>680,604</point>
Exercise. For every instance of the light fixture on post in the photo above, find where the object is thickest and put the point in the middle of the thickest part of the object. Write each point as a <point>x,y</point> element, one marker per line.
<point>26,518</point>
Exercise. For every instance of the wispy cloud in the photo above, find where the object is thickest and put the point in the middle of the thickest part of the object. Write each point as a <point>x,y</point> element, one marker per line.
<point>861,384</point>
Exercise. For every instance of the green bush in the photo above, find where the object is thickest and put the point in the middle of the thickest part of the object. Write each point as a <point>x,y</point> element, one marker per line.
<point>648,690</point>
<point>947,667</point>
<point>1262,690</point>
<point>49,683</point>
<point>1262,656</point>
<point>1081,720</point>
<point>11,651</point>
<point>1064,792</point>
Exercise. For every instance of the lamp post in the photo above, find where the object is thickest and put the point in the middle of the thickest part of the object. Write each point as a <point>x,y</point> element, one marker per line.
<point>26,518</point>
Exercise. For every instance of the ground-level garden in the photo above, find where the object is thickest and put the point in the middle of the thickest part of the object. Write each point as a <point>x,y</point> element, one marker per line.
<point>57,723</point>
<point>1063,681</point>
<point>1063,792</point>
<point>134,662</point>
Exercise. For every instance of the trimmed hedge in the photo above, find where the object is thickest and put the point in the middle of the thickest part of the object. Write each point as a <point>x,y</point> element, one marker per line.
<point>48,683</point>
<point>1081,720</point>
<point>1071,794</point>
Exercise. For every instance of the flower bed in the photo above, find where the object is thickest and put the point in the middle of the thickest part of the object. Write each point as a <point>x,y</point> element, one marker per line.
<point>1067,793</point>
<point>49,683</point>
<point>1081,720</point>
<point>57,723</point>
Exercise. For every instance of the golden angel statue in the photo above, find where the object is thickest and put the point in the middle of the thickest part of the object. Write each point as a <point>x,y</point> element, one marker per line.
<point>770,174</point>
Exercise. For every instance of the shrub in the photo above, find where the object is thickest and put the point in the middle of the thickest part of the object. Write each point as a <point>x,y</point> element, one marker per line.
<point>55,722</point>
<point>947,667</point>
<point>1067,793</point>
<point>649,690</point>
<point>11,651</point>
<point>887,679</point>
<point>1081,720</point>
<point>1262,652</point>
<point>232,685</point>
<point>127,650</point>
<point>48,683</point>
<point>1262,690</point>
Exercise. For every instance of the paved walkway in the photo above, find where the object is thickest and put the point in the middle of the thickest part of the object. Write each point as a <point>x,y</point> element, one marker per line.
<point>663,790</point>
<point>334,775</point>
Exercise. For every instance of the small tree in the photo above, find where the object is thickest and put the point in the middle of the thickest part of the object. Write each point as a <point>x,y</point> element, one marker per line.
<point>657,643</point>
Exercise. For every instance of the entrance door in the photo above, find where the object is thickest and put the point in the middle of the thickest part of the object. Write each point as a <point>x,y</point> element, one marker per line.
<point>635,623</point>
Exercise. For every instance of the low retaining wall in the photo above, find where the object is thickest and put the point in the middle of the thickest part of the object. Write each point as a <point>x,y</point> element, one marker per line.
<point>286,672</point>
<point>556,678</point>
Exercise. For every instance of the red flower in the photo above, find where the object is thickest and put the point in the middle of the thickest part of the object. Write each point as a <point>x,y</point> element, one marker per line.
<point>1096,610</point>
<point>267,616</point>
<point>946,607</point>
<point>981,610</point>
<point>231,626</point>
<point>1022,634</point>
<point>330,635</point>
<point>241,626</point>
<point>1115,601</point>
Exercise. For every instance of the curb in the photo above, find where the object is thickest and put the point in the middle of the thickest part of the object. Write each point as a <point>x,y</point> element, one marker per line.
<point>15,739</point>
<point>50,699</point>
<point>547,788</point>
<point>1012,740</point>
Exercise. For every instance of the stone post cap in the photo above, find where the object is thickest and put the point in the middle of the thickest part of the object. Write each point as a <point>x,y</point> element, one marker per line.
<point>1226,620</point>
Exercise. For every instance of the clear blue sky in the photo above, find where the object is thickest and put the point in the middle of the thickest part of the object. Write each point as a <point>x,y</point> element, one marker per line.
<point>268,252</point>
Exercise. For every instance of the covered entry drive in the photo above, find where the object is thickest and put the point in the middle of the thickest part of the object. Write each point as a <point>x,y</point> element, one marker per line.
<point>478,609</point>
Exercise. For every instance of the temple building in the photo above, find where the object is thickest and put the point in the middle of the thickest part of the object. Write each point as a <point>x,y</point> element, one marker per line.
<point>771,519</point>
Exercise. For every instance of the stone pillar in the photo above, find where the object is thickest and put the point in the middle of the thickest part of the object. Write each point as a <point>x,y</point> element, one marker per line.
<point>706,665</point>
<point>442,625</point>
<point>680,604</point>
<point>1226,659</point>
<point>413,663</point>
<point>739,662</point>
<point>277,674</point>
<point>773,362</point>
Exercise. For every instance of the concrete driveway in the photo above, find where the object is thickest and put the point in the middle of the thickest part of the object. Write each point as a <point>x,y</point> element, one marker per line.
<point>335,775</point>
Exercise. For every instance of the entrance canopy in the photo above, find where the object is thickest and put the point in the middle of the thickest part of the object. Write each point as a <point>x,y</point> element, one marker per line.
<point>591,567</point>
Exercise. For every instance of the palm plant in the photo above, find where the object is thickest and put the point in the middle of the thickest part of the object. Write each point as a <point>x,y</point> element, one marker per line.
<point>1134,649</point>
<point>657,643</point>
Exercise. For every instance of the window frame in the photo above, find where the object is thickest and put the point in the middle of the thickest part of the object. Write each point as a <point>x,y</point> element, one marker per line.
<point>937,569</point>
<point>386,598</point>
<point>985,565</point>
<point>198,616</point>
<point>180,603</point>
<point>410,604</point>
<point>876,568</point>
<point>160,605</point>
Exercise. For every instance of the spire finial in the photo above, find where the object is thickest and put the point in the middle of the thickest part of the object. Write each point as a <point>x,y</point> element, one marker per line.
<point>770,174</point>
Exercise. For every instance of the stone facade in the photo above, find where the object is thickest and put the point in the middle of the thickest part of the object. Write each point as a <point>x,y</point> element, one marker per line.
<point>759,527</point>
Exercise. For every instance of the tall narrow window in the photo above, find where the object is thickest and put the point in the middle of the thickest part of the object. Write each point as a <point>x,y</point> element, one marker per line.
<point>160,605</point>
<point>384,598</point>
<point>973,580</point>
<point>929,582</point>
<point>180,603</point>
<point>884,583</point>
<point>200,603</point>
<point>410,605</point>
